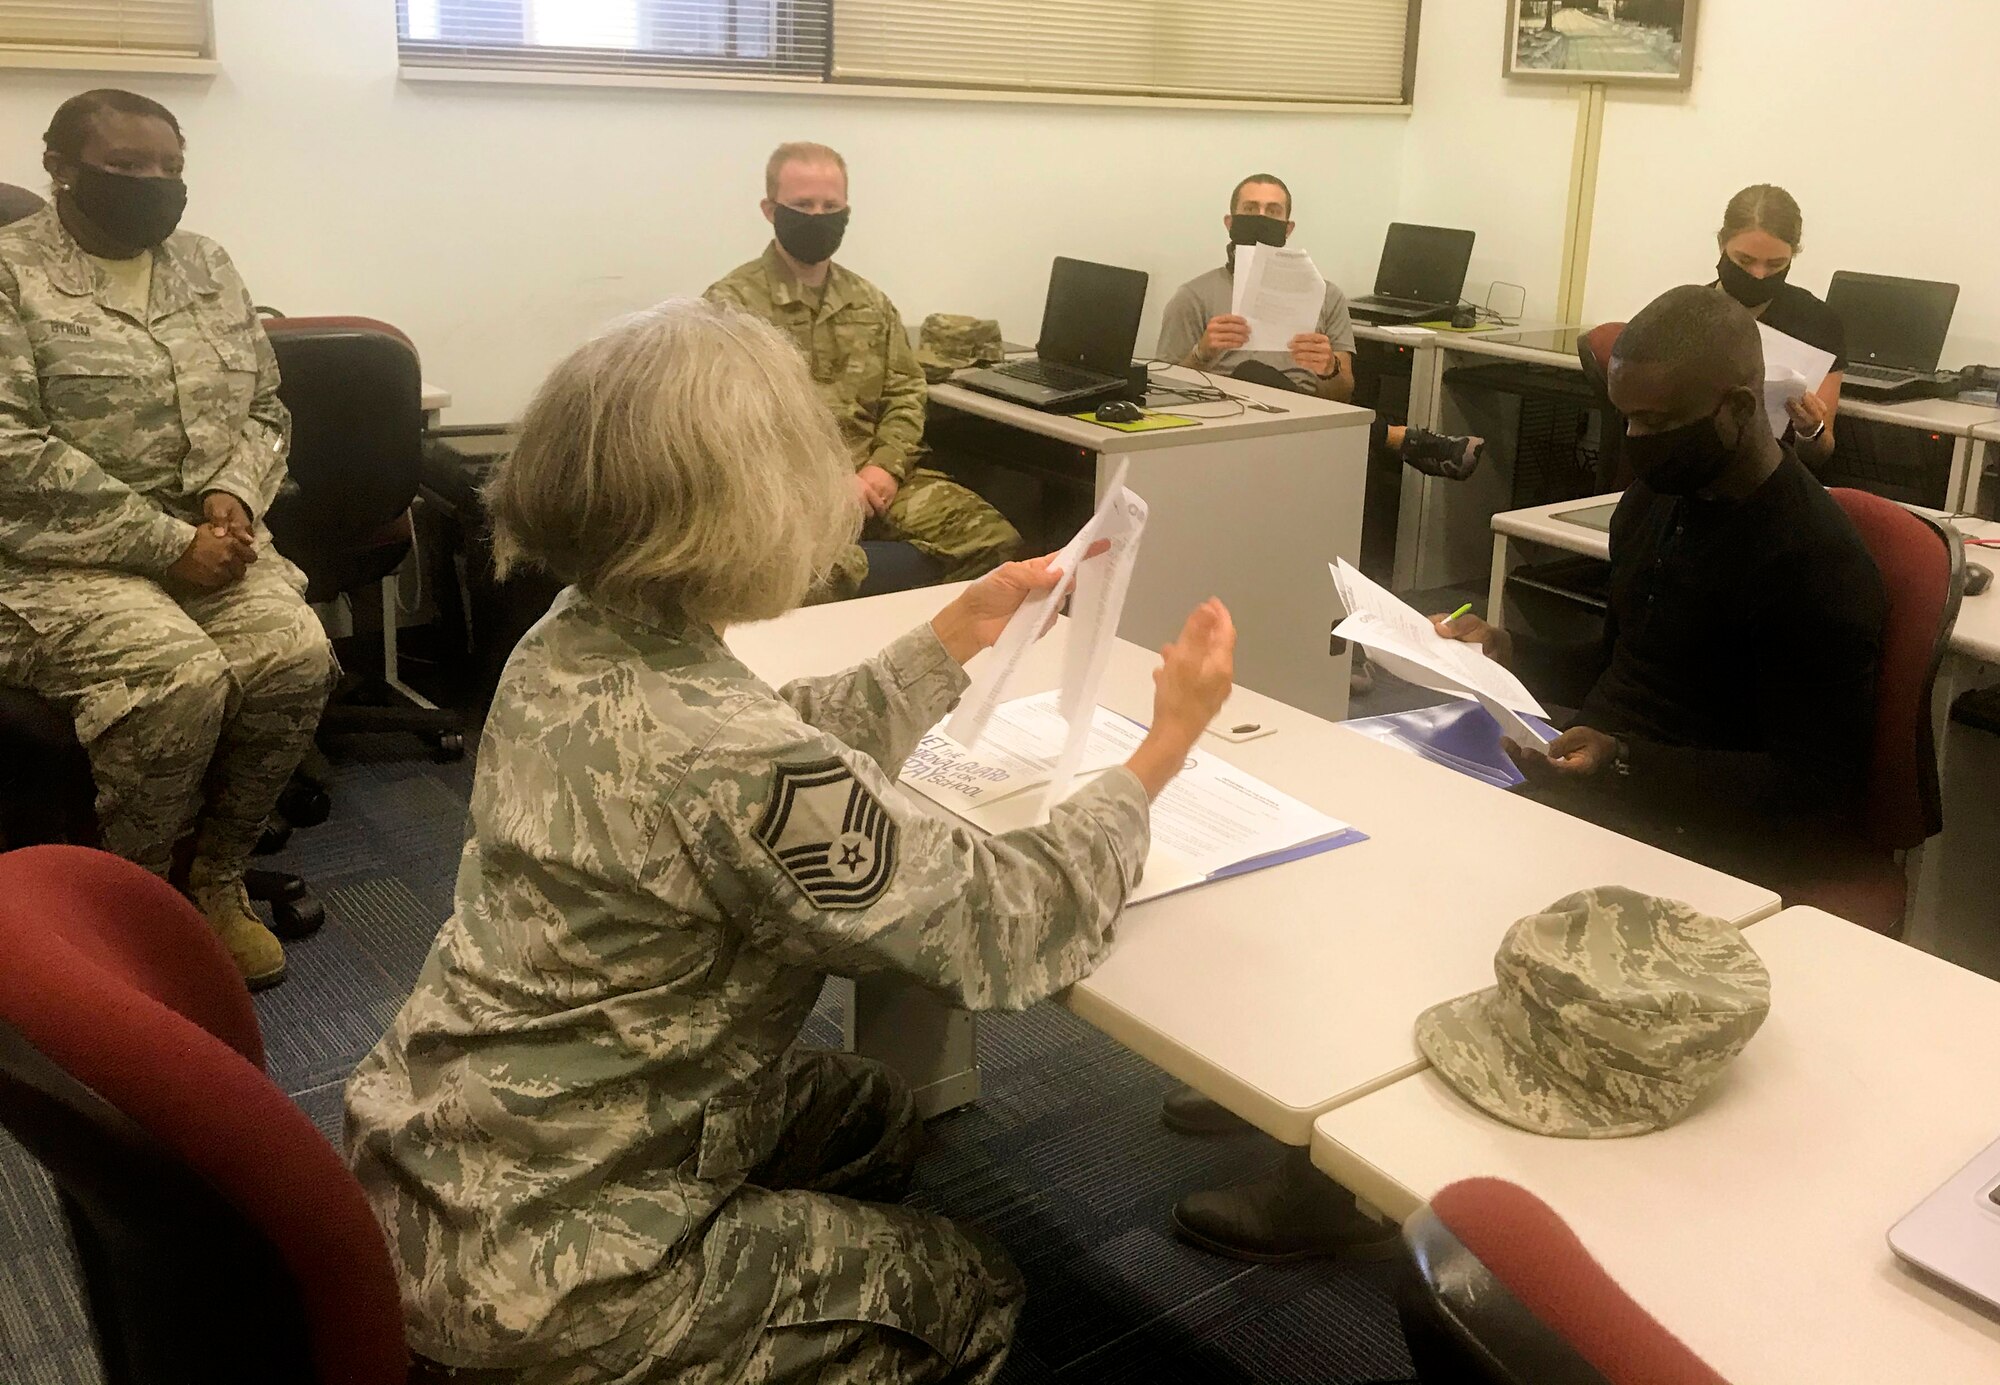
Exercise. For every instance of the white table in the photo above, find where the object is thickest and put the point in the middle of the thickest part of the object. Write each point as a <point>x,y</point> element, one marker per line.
<point>1754,1228</point>
<point>1283,993</point>
<point>436,400</point>
<point>1250,508</point>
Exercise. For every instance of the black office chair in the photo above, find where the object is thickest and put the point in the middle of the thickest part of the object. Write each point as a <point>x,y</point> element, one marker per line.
<point>48,796</point>
<point>355,391</point>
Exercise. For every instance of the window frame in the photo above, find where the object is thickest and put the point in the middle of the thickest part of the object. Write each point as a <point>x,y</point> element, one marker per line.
<point>60,58</point>
<point>415,70</point>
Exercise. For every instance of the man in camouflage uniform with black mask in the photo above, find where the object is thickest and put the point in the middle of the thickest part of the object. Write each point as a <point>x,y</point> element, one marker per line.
<point>862,362</point>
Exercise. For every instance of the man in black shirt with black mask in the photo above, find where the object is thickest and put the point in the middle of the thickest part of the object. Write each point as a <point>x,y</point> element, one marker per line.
<point>1728,713</point>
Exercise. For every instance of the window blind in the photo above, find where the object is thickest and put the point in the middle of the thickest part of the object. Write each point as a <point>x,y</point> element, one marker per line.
<point>1250,50</point>
<point>178,28</point>
<point>719,37</point>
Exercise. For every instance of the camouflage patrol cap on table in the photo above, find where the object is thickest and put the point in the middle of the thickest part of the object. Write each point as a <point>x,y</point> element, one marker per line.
<point>1615,1010</point>
<point>951,341</point>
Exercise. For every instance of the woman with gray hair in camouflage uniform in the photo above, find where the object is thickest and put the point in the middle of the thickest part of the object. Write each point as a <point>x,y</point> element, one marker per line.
<point>596,1144</point>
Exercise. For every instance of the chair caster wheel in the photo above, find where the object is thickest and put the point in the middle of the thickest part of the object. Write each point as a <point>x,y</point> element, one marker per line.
<point>448,747</point>
<point>297,918</point>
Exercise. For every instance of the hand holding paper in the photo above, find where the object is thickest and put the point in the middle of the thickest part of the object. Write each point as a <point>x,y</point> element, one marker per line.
<point>1279,291</point>
<point>1791,369</point>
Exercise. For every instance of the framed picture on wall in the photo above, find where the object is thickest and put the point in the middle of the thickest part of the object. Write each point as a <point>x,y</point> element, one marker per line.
<point>1643,43</point>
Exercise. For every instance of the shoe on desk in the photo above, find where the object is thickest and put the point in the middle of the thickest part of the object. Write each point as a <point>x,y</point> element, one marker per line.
<point>1187,1112</point>
<point>1293,1212</point>
<point>1436,455</point>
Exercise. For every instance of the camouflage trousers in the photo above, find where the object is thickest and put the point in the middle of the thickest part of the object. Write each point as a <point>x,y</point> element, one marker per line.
<point>940,519</point>
<point>809,1275</point>
<point>194,710</point>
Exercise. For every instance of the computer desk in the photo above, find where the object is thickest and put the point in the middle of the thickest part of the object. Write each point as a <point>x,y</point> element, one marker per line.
<point>1985,457</point>
<point>1441,534</point>
<point>1250,507</point>
<point>1755,1228</point>
<point>1284,992</point>
<point>1953,911</point>
<point>436,400</point>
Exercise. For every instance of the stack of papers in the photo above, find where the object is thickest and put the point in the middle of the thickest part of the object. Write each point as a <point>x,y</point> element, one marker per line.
<point>1405,643</point>
<point>1214,821</point>
<point>1279,291</point>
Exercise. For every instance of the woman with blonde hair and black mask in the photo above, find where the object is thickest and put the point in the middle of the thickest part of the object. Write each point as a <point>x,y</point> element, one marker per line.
<point>1762,233</point>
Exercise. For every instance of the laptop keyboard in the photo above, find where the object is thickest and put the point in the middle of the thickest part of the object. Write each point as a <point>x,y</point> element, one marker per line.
<point>1386,301</point>
<point>1056,377</point>
<point>1886,374</point>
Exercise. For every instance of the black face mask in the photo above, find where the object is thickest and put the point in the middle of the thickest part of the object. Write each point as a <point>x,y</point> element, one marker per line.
<point>1745,287</point>
<point>809,237</point>
<point>1680,461</point>
<point>132,210</point>
<point>1248,228</point>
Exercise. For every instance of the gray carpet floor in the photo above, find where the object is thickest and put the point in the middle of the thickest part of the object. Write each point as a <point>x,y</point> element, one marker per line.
<point>1063,1158</point>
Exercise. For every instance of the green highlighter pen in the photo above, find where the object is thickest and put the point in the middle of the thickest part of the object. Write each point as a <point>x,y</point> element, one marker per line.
<point>1459,612</point>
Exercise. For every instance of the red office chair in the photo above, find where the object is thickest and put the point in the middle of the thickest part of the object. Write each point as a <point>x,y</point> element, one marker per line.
<point>354,387</point>
<point>1499,1291</point>
<point>1923,570</point>
<point>1593,349</point>
<point>220,1236</point>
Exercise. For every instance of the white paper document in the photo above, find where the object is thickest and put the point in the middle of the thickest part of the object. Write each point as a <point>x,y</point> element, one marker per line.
<point>1279,291</point>
<point>1097,587</point>
<point>1405,643</point>
<point>1212,821</point>
<point>1791,368</point>
<point>1022,743</point>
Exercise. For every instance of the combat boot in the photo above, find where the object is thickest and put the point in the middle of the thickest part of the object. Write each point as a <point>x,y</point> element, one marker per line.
<point>258,954</point>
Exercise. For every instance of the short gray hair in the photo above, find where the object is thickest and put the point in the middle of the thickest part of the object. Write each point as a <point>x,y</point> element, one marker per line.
<point>679,461</point>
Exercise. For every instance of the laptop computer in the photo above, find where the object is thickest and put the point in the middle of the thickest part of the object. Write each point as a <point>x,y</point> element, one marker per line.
<point>1895,329</point>
<point>1089,326</point>
<point>1955,1232</point>
<point>1421,275</point>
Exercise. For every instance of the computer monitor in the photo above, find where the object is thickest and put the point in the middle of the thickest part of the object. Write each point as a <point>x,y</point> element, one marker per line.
<point>1897,323</point>
<point>1426,264</point>
<point>1091,319</point>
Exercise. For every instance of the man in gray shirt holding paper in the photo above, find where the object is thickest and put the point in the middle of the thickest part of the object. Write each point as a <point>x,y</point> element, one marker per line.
<point>1201,329</point>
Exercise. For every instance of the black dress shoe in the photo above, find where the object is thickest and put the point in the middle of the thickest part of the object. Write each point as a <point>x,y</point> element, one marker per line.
<point>1190,1113</point>
<point>1293,1212</point>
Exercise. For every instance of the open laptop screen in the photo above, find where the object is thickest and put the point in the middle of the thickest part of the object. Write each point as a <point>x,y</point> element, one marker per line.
<point>1897,323</point>
<point>1092,317</point>
<point>1425,263</point>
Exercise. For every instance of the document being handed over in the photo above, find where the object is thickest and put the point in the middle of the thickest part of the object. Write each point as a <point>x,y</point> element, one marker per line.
<point>1279,292</point>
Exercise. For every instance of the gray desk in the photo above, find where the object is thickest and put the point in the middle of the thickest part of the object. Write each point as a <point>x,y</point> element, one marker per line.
<point>1249,507</point>
<point>1441,536</point>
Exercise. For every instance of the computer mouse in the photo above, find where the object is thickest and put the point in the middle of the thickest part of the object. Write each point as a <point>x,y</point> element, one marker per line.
<point>1119,411</point>
<point>1977,579</point>
<point>1465,317</point>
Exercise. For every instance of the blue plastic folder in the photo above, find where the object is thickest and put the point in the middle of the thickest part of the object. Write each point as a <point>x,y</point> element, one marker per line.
<point>1459,735</point>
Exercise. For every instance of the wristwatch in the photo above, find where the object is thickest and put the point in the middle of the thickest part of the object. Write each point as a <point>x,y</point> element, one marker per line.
<point>1621,756</point>
<point>1808,437</point>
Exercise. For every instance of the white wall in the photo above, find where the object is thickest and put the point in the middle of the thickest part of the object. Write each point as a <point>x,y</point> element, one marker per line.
<point>498,225</point>
<point>1489,155</point>
<point>1881,120</point>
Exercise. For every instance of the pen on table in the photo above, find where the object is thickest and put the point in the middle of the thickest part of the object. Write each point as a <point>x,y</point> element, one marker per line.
<point>1459,612</point>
